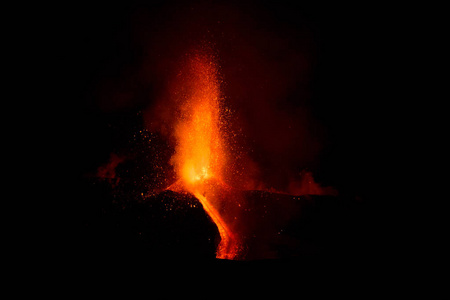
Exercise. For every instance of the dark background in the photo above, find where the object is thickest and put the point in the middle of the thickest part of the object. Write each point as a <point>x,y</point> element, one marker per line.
<point>113,59</point>
<point>108,85</point>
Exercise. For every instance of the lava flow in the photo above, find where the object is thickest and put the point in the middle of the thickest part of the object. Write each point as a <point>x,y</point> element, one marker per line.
<point>200,153</point>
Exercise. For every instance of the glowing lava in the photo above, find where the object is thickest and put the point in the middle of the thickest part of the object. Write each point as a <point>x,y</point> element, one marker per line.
<point>200,154</point>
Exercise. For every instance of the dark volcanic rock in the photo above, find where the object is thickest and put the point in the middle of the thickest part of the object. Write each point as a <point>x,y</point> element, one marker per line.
<point>166,225</point>
<point>172,225</point>
<point>274,225</point>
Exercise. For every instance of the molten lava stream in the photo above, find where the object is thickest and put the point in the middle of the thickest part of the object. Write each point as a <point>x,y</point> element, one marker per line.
<point>200,157</point>
<point>227,247</point>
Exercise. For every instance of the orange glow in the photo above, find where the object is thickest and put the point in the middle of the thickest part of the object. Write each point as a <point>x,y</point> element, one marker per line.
<point>227,248</point>
<point>200,154</point>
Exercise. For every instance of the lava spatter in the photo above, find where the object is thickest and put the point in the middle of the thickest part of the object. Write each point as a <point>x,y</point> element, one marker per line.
<point>200,153</point>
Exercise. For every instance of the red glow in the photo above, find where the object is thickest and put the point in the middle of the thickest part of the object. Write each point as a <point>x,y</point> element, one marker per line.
<point>203,161</point>
<point>200,155</point>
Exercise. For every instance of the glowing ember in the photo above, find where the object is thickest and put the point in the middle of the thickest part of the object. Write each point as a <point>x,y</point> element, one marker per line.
<point>200,155</point>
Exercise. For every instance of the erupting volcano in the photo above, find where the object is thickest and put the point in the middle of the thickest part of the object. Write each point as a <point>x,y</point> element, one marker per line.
<point>252,220</point>
<point>200,154</point>
<point>202,125</point>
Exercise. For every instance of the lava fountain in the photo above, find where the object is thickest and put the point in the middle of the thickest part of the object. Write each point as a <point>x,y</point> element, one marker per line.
<point>200,153</point>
